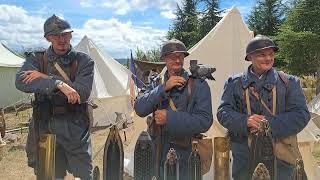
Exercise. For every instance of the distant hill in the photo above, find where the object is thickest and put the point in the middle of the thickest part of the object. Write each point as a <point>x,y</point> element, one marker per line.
<point>122,61</point>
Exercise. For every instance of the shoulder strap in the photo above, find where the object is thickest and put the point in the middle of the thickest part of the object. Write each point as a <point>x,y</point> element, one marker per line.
<point>285,80</point>
<point>73,70</point>
<point>43,61</point>
<point>190,84</point>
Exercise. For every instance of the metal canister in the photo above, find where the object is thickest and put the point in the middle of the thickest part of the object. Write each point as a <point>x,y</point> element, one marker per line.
<point>47,149</point>
<point>221,158</point>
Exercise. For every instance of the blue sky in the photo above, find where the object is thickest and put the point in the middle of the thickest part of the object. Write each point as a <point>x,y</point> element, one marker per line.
<point>115,26</point>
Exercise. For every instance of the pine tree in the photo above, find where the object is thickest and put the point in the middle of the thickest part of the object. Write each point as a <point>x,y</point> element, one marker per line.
<point>267,17</point>
<point>299,40</point>
<point>209,16</point>
<point>185,26</point>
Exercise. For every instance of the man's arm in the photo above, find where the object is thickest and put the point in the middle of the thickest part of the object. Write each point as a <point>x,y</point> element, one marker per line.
<point>229,113</point>
<point>297,115</point>
<point>195,122</point>
<point>149,101</point>
<point>39,85</point>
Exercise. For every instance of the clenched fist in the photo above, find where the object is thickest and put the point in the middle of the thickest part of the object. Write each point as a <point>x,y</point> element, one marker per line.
<point>174,81</point>
<point>160,116</point>
<point>72,95</point>
<point>253,122</point>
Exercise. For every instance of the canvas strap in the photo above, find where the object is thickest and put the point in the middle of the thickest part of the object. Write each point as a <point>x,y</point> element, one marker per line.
<point>44,67</point>
<point>171,103</point>
<point>257,96</point>
<point>61,71</point>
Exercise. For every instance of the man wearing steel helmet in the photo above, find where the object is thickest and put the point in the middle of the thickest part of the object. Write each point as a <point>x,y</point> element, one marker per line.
<point>191,98</point>
<point>62,97</point>
<point>262,93</point>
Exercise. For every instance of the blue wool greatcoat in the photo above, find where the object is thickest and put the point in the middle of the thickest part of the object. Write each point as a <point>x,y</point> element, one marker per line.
<point>232,114</point>
<point>73,141</point>
<point>190,119</point>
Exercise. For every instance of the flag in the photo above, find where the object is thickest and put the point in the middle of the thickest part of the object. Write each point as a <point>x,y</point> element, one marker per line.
<point>133,69</point>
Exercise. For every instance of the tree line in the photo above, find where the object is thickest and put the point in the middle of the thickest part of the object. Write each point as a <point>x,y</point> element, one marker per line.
<point>294,25</point>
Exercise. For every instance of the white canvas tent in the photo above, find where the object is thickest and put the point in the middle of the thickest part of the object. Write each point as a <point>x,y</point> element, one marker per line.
<point>9,65</point>
<point>111,87</point>
<point>224,48</point>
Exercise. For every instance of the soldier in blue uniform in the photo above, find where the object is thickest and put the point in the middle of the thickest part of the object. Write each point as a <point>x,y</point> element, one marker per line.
<point>287,114</point>
<point>62,98</point>
<point>193,114</point>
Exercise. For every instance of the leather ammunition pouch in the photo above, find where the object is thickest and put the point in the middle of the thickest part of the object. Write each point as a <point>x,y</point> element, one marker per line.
<point>205,149</point>
<point>287,149</point>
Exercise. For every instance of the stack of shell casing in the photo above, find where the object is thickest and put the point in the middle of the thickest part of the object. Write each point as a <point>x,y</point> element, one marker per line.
<point>96,173</point>
<point>261,173</point>
<point>113,156</point>
<point>195,163</point>
<point>144,158</point>
<point>171,166</point>
<point>299,173</point>
<point>262,149</point>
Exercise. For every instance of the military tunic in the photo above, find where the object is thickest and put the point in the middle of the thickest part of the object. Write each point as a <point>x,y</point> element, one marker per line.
<point>190,118</point>
<point>73,141</point>
<point>233,115</point>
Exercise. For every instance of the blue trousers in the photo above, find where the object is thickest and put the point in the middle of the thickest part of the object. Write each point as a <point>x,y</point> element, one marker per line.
<point>73,145</point>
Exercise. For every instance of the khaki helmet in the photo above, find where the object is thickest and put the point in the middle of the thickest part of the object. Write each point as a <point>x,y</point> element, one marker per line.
<point>258,43</point>
<point>173,46</point>
<point>56,25</point>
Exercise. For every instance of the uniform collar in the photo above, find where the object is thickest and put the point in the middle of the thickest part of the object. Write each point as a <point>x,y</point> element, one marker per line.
<point>64,59</point>
<point>267,80</point>
<point>183,74</point>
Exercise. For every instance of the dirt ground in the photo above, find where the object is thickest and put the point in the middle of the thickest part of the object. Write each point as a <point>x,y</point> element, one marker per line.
<point>13,160</point>
<point>13,163</point>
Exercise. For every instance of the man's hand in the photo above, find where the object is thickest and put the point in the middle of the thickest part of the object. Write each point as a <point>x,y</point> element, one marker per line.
<point>253,122</point>
<point>174,81</point>
<point>160,116</point>
<point>72,95</point>
<point>31,75</point>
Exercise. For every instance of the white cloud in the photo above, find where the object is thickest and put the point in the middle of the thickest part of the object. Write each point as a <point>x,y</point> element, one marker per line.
<point>86,3</point>
<point>122,7</point>
<point>19,29</point>
<point>168,14</point>
<point>117,38</point>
